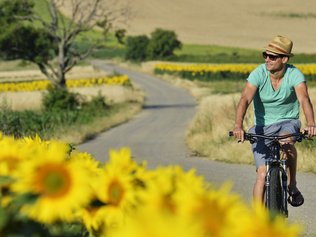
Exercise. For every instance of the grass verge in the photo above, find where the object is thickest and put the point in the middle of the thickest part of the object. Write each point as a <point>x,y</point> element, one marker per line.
<point>77,134</point>
<point>69,126</point>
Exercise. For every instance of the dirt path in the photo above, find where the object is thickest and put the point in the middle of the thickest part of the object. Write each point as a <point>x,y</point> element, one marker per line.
<point>157,135</point>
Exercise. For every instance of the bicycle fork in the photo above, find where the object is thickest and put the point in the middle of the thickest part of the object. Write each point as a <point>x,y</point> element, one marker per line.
<point>284,187</point>
<point>267,185</point>
<point>282,168</point>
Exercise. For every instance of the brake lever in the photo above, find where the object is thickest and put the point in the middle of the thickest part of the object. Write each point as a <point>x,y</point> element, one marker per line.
<point>251,140</point>
<point>306,136</point>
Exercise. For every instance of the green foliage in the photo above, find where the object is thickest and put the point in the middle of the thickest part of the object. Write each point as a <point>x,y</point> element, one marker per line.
<point>21,123</point>
<point>120,35</point>
<point>21,40</point>
<point>17,40</point>
<point>60,99</point>
<point>136,47</point>
<point>97,104</point>
<point>223,54</point>
<point>205,54</point>
<point>13,224</point>
<point>109,53</point>
<point>9,9</point>
<point>206,76</point>
<point>62,110</point>
<point>162,44</point>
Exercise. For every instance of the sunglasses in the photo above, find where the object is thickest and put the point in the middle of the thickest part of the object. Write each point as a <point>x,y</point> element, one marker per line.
<point>271,56</point>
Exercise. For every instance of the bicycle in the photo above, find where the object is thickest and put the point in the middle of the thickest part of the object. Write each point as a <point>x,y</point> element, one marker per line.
<point>276,197</point>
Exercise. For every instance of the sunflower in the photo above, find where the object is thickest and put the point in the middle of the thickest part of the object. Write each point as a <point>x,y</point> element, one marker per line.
<point>166,188</point>
<point>155,224</point>
<point>189,182</point>
<point>10,156</point>
<point>92,165</point>
<point>121,160</point>
<point>214,210</point>
<point>11,153</point>
<point>93,216</point>
<point>159,191</point>
<point>260,223</point>
<point>114,198</point>
<point>60,184</point>
<point>36,140</point>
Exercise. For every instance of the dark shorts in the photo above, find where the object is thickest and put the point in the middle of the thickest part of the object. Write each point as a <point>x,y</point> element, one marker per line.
<point>260,149</point>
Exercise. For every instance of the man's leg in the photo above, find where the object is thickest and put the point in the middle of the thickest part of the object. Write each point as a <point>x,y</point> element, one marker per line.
<point>258,189</point>
<point>291,156</point>
<point>296,198</point>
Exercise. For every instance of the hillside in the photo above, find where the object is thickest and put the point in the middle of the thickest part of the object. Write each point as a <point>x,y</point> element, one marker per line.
<point>237,23</point>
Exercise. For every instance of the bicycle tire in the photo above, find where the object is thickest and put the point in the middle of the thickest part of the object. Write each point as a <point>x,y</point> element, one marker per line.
<point>275,195</point>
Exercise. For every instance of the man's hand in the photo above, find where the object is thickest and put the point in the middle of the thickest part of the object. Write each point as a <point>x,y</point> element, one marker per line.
<point>239,133</point>
<point>311,130</point>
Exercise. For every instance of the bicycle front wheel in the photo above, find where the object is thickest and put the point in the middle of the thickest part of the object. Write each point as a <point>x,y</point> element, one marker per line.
<point>275,191</point>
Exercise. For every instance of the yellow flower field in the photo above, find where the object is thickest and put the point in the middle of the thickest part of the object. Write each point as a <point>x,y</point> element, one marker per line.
<point>71,83</point>
<point>48,182</point>
<point>208,71</point>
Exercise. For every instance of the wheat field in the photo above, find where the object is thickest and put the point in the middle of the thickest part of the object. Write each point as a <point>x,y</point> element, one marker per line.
<point>242,23</point>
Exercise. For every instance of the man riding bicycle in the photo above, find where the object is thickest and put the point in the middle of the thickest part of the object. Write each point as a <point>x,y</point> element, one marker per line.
<point>277,90</point>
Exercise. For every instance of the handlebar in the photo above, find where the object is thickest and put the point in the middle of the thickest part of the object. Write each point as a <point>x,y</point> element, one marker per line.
<point>251,136</point>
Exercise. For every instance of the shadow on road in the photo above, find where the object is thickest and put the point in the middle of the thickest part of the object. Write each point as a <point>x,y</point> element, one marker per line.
<point>169,106</point>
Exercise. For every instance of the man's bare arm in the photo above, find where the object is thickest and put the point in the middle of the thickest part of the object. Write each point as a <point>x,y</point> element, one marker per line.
<point>245,100</point>
<point>306,104</point>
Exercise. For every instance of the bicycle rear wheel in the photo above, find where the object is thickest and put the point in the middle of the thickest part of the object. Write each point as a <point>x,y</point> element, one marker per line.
<point>275,191</point>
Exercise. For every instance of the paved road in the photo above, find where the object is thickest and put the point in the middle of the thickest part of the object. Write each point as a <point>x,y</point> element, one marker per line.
<point>157,135</point>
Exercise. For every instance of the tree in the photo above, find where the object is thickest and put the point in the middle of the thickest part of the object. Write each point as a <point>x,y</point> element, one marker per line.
<point>136,47</point>
<point>52,43</point>
<point>162,44</point>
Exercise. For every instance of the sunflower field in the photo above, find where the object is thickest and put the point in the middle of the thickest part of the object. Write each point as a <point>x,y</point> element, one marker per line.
<point>48,188</point>
<point>209,72</point>
<point>36,85</point>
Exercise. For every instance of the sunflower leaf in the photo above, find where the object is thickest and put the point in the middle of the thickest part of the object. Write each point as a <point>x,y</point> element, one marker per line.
<point>3,218</point>
<point>6,180</point>
<point>25,198</point>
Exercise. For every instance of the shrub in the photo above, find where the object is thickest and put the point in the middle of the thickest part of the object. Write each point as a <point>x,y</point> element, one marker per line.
<point>52,120</point>
<point>136,47</point>
<point>162,44</point>
<point>96,106</point>
<point>60,99</point>
<point>21,123</point>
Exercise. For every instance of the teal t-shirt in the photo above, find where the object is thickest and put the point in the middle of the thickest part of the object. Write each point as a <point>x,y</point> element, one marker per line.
<point>272,106</point>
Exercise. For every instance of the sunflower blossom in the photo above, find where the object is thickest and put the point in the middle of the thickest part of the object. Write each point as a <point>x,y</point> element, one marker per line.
<point>260,223</point>
<point>61,185</point>
<point>12,152</point>
<point>121,160</point>
<point>155,224</point>
<point>116,197</point>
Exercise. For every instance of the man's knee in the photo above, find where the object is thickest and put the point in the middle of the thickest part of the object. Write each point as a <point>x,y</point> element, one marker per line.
<point>287,141</point>
<point>289,150</point>
<point>261,174</point>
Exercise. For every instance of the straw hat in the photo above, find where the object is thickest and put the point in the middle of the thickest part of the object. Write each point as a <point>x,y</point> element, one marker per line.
<point>280,45</point>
